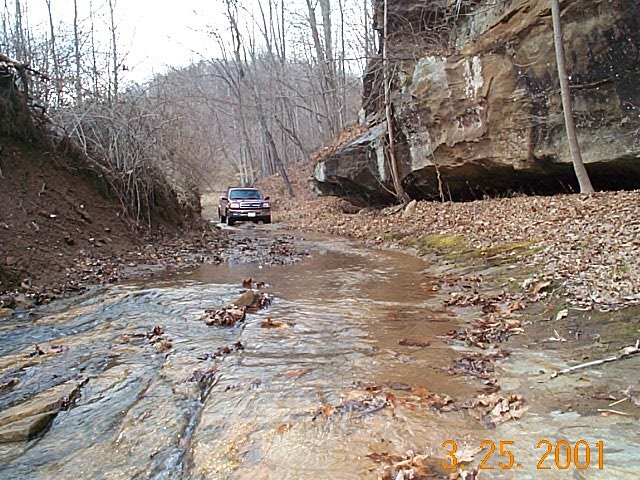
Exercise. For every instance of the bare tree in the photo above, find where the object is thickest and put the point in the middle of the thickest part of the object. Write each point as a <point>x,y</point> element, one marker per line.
<point>78,59</point>
<point>574,147</point>
<point>395,175</point>
<point>114,51</point>
<point>57,80</point>
<point>20,42</point>
<point>276,93</point>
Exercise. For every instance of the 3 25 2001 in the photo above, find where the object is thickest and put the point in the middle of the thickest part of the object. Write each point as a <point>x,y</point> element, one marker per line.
<point>560,455</point>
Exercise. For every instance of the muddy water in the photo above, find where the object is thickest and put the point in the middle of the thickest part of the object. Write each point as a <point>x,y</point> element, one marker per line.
<point>309,401</point>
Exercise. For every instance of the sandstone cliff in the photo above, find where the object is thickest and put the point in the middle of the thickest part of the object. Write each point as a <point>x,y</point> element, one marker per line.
<point>476,101</point>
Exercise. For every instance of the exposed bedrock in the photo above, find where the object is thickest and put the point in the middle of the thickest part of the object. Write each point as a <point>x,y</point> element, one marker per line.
<point>476,101</point>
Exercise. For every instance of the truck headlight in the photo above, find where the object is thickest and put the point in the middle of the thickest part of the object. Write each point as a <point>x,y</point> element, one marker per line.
<point>234,205</point>
<point>265,205</point>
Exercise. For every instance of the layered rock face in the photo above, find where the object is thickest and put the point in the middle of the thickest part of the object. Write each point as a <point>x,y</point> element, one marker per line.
<point>476,103</point>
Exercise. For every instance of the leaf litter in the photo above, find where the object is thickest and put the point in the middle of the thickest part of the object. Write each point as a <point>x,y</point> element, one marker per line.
<point>229,315</point>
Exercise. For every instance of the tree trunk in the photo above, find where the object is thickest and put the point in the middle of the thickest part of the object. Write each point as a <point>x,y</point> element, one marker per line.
<point>76,41</point>
<point>574,147</point>
<point>94,73</point>
<point>395,175</point>
<point>114,52</point>
<point>20,44</point>
<point>56,63</point>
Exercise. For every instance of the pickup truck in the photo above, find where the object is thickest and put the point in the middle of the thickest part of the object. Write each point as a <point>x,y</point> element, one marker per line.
<point>244,204</point>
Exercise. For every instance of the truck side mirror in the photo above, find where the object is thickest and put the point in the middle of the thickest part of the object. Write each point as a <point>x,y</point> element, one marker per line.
<point>267,197</point>
<point>224,198</point>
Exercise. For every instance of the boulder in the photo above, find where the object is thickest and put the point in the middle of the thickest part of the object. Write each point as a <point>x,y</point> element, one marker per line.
<point>29,418</point>
<point>26,428</point>
<point>482,113</point>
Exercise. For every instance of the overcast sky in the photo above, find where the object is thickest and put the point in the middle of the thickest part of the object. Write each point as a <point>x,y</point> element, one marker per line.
<point>152,34</point>
<point>158,33</point>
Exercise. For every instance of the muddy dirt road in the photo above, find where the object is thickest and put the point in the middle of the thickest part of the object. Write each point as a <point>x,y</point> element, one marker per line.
<point>343,376</point>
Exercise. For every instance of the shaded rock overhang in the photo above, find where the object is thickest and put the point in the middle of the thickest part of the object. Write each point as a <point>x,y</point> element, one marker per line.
<point>476,104</point>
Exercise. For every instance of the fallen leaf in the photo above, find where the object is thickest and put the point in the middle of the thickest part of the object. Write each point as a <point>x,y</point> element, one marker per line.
<point>269,323</point>
<point>630,394</point>
<point>540,286</point>
<point>496,409</point>
<point>283,428</point>
<point>297,372</point>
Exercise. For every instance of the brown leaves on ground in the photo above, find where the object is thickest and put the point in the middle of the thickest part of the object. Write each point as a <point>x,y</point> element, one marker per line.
<point>12,382</point>
<point>420,397</point>
<point>465,474</point>
<point>163,344</point>
<point>487,332</point>
<point>363,406</point>
<point>494,409</point>
<point>223,351</point>
<point>37,351</point>
<point>155,337</point>
<point>410,466</point>
<point>369,398</point>
<point>478,364</point>
<point>226,316</point>
<point>156,332</point>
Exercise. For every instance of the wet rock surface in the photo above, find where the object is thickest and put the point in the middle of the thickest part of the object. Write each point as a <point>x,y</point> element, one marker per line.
<point>351,363</point>
<point>29,418</point>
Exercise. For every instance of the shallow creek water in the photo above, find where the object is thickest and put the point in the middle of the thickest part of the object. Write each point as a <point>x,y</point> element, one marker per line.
<point>147,413</point>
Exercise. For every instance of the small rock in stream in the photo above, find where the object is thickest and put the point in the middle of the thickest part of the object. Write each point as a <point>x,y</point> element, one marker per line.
<point>26,420</point>
<point>413,342</point>
<point>229,315</point>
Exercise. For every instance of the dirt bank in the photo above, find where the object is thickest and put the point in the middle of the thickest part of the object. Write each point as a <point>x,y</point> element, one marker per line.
<point>59,233</point>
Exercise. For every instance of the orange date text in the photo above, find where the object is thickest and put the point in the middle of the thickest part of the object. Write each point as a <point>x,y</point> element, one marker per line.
<point>560,455</point>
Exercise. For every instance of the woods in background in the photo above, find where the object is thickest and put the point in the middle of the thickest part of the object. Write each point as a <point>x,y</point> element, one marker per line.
<point>284,80</point>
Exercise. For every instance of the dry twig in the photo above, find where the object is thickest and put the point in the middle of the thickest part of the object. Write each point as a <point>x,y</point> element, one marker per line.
<point>623,353</point>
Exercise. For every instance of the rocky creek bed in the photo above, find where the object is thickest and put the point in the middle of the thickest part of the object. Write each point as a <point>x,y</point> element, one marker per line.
<point>362,366</point>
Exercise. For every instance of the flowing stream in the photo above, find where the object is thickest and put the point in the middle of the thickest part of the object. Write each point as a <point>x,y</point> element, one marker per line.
<point>310,400</point>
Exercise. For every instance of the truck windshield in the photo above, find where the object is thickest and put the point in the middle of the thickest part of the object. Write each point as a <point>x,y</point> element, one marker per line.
<point>245,195</point>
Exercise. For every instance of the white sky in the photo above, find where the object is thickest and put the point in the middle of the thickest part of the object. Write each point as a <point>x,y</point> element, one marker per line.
<point>160,33</point>
<point>154,35</point>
